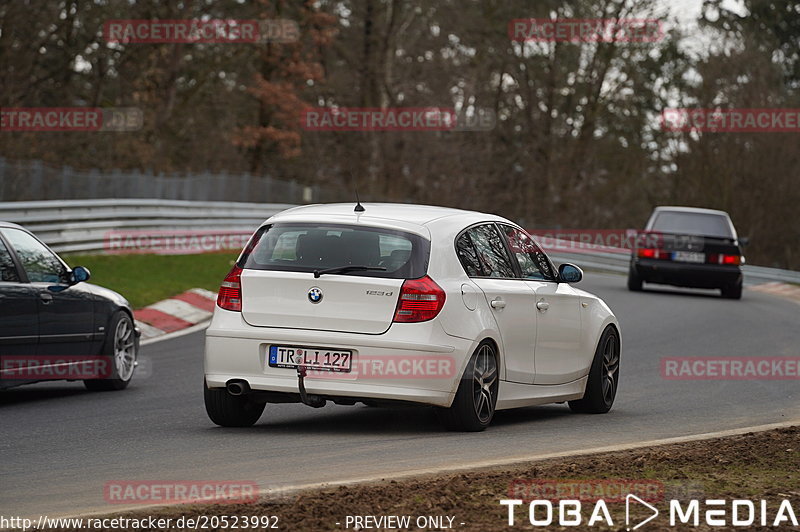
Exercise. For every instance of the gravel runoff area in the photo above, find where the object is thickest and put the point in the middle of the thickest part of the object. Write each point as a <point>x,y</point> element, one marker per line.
<point>754,467</point>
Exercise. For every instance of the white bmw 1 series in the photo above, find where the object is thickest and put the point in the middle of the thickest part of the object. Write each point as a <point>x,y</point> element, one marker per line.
<point>388,303</point>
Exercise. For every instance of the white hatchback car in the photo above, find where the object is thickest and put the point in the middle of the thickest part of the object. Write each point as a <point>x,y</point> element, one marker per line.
<point>386,302</point>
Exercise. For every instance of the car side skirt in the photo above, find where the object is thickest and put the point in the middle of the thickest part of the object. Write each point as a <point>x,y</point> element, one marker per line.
<point>515,395</point>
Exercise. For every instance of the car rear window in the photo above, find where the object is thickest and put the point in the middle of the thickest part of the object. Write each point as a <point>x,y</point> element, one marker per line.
<point>692,223</point>
<point>302,247</point>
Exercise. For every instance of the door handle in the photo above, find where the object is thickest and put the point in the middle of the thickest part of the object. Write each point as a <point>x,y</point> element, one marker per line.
<point>46,298</point>
<point>498,303</point>
<point>542,305</point>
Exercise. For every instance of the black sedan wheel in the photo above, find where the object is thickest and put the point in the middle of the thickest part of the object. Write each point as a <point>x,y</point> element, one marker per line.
<point>121,348</point>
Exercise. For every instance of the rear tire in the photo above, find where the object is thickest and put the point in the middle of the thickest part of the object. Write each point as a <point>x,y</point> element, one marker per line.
<point>473,406</point>
<point>122,348</point>
<point>228,410</point>
<point>634,281</point>
<point>732,291</point>
<point>601,388</point>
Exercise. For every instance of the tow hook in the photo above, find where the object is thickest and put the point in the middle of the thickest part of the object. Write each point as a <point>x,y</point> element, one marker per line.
<point>314,401</point>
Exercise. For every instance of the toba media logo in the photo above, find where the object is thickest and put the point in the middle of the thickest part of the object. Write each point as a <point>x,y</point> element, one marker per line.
<point>638,512</point>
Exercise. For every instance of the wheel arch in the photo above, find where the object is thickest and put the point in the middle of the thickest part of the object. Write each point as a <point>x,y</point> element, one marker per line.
<point>609,324</point>
<point>112,310</point>
<point>485,338</point>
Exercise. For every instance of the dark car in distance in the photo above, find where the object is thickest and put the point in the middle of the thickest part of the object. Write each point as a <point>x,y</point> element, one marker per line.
<point>56,326</point>
<point>689,247</point>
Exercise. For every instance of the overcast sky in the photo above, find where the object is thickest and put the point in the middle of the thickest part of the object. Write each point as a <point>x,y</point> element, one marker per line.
<point>687,10</point>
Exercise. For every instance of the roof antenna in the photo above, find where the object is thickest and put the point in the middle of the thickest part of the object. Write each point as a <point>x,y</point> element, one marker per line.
<point>359,207</point>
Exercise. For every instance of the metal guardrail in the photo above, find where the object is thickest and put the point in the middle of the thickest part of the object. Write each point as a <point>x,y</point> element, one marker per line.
<point>760,274</point>
<point>84,225</point>
<point>37,180</point>
<point>618,263</point>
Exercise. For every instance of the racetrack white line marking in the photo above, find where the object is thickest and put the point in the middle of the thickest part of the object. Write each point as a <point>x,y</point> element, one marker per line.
<point>782,290</point>
<point>175,334</point>
<point>181,309</point>
<point>148,331</point>
<point>205,293</point>
<point>475,466</point>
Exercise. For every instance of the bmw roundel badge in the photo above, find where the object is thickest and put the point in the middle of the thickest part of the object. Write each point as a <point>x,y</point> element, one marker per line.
<point>314,294</point>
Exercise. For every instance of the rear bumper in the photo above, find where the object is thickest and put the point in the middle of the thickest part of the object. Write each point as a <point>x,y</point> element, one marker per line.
<point>416,362</point>
<point>687,274</point>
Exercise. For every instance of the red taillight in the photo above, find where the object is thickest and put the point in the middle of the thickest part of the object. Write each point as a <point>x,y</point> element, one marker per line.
<point>230,292</point>
<point>733,260</point>
<point>649,253</point>
<point>420,300</point>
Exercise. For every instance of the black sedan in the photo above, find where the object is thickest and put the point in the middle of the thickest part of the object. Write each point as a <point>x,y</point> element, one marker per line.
<point>56,326</point>
<point>691,247</point>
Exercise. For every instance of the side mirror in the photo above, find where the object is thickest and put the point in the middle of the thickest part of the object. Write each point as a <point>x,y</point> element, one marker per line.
<point>569,273</point>
<point>743,240</point>
<point>79,274</point>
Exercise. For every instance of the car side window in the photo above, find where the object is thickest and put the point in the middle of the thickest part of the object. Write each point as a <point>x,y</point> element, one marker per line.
<point>41,264</point>
<point>8,271</point>
<point>468,256</point>
<point>532,261</point>
<point>489,253</point>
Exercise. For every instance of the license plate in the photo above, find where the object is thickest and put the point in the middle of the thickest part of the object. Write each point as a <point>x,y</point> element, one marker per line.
<point>316,358</point>
<point>688,256</point>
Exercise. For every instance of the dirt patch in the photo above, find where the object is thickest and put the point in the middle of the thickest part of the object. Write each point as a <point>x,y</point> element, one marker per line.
<point>753,466</point>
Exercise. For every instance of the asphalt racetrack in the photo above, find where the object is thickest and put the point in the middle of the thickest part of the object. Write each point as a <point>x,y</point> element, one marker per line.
<point>60,443</point>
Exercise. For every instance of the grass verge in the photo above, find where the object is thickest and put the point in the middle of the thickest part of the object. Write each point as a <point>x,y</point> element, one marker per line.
<point>145,279</point>
<point>763,465</point>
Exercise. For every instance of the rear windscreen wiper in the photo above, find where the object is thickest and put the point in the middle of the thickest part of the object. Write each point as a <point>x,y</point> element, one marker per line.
<point>349,268</point>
